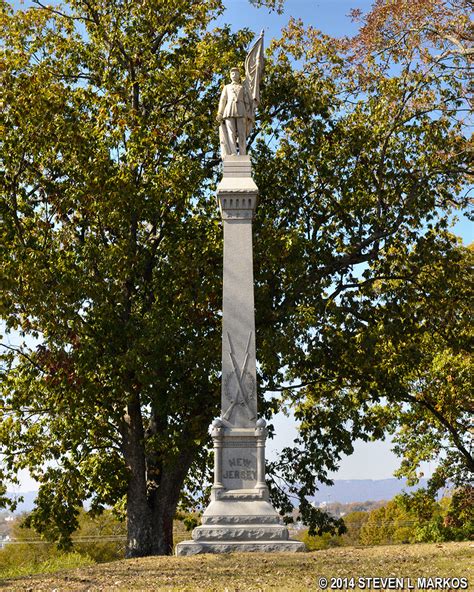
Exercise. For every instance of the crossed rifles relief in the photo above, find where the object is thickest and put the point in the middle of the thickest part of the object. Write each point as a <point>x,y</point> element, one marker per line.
<point>241,398</point>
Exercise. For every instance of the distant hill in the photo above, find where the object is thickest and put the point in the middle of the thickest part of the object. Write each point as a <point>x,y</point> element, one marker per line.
<point>344,491</point>
<point>361,490</point>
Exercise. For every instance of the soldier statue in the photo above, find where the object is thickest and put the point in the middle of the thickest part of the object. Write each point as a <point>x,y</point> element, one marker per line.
<point>236,112</point>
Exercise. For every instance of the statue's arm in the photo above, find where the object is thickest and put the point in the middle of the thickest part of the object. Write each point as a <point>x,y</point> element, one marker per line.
<point>222,104</point>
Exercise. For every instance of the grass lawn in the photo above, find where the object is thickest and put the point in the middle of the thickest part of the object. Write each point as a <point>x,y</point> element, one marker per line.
<point>256,571</point>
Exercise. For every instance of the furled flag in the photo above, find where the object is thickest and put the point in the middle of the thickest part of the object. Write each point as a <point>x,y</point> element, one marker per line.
<point>254,63</point>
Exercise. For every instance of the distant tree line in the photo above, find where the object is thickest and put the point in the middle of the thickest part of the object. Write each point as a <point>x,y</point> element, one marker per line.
<point>408,518</point>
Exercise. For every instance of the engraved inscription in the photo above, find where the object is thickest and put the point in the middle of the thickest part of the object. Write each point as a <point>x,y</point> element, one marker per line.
<point>234,387</point>
<point>240,462</point>
<point>245,475</point>
<point>240,468</point>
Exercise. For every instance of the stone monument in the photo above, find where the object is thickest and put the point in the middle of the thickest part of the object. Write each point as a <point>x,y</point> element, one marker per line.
<point>239,516</point>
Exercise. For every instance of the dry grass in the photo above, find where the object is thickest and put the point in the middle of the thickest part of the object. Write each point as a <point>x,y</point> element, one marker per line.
<point>253,572</point>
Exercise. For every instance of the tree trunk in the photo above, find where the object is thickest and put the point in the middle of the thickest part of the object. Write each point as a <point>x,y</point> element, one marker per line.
<point>139,529</point>
<point>154,485</point>
<point>139,517</point>
<point>164,500</point>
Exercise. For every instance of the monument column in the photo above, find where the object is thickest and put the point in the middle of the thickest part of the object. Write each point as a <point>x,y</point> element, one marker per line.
<point>239,516</point>
<point>237,197</point>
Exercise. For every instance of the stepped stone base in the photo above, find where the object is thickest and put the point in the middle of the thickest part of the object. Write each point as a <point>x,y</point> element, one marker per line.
<point>230,526</point>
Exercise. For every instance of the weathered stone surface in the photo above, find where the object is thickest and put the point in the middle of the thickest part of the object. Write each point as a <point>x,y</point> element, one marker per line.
<point>240,511</point>
<point>237,196</point>
<point>241,532</point>
<point>194,548</point>
<point>237,190</point>
<point>239,467</point>
<point>239,390</point>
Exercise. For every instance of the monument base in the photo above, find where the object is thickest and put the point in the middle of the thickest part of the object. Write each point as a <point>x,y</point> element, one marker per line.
<point>195,548</point>
<point>239,517</point>
<point>230,526</point>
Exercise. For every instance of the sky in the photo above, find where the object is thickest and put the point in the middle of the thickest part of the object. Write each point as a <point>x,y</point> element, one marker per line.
<point>373,460</point>
<point>330,16</point>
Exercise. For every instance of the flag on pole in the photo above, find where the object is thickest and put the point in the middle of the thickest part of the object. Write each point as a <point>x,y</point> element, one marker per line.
<point>254,63</point>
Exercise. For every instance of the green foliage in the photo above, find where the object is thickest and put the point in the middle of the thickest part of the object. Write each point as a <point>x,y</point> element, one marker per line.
<point>450,519</point>
<point>354,522</point>
<point>319,542</point>
<point>111,259</point>
<point>367,295</point>
<point>109,226</point>
<point>404,362</point>
<point>408,518</point>
<point>386,525</point>
<point>189,520</point>
<point>98,538</point>
<point>418,518</point>
<point>459,518</point>
<point>102,538</point>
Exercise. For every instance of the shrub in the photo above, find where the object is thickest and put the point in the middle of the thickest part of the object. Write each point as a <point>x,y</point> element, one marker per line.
<point>319,542</point>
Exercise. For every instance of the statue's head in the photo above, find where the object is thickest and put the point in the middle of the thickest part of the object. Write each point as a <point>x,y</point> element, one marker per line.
<point>235,75</point>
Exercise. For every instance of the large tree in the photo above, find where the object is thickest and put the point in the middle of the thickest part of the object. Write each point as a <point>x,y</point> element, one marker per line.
<point>381,341</point>
<point>111,245</point>
<point>110,254</point>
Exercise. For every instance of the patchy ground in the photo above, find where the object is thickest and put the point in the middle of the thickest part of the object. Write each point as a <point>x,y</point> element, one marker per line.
<point>285,572</point>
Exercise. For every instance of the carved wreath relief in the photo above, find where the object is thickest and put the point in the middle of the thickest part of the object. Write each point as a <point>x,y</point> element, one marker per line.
<point>239,386</point>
